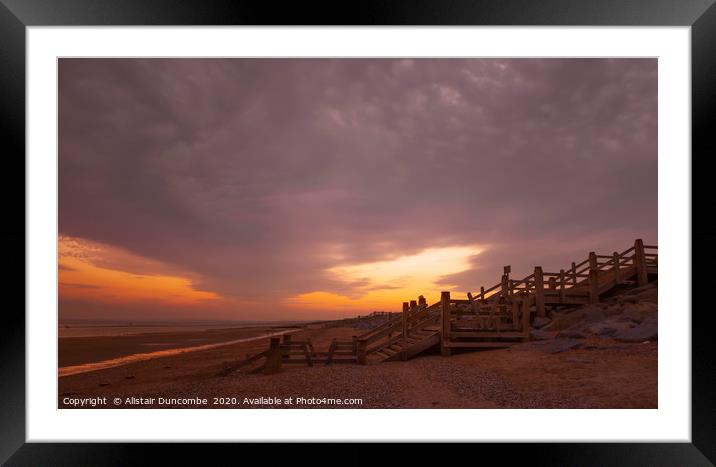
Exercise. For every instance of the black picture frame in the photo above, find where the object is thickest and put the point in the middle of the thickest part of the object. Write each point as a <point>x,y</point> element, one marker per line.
<point>16,15</point>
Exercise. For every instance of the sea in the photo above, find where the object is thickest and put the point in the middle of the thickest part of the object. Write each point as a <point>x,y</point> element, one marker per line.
<point>127,328</point>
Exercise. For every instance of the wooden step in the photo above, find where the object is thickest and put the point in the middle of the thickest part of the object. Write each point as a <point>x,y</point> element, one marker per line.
<point>477,345</point>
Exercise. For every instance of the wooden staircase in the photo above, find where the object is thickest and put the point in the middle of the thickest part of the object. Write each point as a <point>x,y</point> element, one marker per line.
<point>417,343</point>
<point>502,315</point>
<point>400,339</point>
<point>499,316</point>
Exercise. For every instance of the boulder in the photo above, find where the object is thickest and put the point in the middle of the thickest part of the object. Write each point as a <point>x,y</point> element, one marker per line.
<point>646,331</point>
<point>573,334</point>
<point>561,345</point>
<point>609,328</point>
<point>540,322</point>
<point>592,314</point>
<point>583,316</point>
<point>650,295</point>
<point>539,335</point>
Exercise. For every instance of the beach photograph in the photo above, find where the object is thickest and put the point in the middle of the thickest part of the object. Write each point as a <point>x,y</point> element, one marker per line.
<point>357,233</point>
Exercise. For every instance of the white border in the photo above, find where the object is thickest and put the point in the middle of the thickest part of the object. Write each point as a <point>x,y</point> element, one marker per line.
<point>671,422</point>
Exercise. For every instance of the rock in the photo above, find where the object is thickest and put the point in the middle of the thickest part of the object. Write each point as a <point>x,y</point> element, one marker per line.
<point>592,314</point>
<point>614,309</point>
<point>572,334</point>
<point>646,331</point>
<point>540,322</point>
<point>608,328</point>
<point>624,299</point>
<point>561,345</point>
<point>650,295</point>
<point>539,335</point>
<point>549,345</point>
<point>561,321</point>
<point>583,316</point>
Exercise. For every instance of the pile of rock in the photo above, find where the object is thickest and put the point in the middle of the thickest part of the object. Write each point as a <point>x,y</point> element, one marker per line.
<point>630,317</point>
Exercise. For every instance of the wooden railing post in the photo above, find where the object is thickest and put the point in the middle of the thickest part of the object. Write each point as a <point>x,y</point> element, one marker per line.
<point>274,356</point>
<point>406,311</point>
<point>552,283</point>
<point>615,260</point>
<point>422,301</point>
<point>361,351</point>
<point>526,315</point>
<point>445,324</point>
<point>515,305</point>
<point>642,277</point>
<point>504,286</point>
<point>482,295</point>
<point>561,285</point>
<point>574,273</point>
<point>473,304</point>
<point>593,278</point>
<point>539,291</point>
<point>593,264</point>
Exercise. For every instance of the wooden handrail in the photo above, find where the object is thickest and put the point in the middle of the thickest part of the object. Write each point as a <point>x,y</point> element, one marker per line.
<point>507,298</point>
<point>579,265</point>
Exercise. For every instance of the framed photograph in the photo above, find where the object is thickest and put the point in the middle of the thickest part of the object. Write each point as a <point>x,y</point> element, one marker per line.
<point>413,223</point>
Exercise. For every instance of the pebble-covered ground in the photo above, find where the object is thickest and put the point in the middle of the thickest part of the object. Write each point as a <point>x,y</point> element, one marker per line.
<point>597,357</point>
<point>604,374</point>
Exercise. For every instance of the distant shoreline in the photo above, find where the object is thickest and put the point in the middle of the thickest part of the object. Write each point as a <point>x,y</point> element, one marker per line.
<point>69,370</point>
<point>98,330</point>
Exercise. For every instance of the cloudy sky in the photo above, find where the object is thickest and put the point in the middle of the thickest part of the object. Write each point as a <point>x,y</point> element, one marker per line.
<point>313,188</point>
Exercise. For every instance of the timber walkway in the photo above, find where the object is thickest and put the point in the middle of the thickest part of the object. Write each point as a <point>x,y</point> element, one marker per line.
<point>499,316</point>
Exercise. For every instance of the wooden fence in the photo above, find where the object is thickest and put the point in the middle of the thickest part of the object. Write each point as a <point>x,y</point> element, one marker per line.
<point>498,316</point>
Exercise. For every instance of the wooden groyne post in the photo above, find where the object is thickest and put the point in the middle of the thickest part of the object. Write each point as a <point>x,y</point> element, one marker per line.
<point>361,351</point>
<point>274,356</point>
<point>444,323</point>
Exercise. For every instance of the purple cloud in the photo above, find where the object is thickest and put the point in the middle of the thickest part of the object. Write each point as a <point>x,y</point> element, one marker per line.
<point>259,175</point>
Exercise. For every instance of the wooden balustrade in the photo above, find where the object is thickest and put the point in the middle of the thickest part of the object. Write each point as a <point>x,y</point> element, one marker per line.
<point>505,309</point>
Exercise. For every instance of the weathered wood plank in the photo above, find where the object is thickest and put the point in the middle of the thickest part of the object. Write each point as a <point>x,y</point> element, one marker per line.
<point>444,323</point>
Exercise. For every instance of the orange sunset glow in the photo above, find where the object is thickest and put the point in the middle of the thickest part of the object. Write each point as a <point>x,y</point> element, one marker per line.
<point>388,283</point>
<point>306,189</point>
<point>82,276</point>
<point>91,271</point>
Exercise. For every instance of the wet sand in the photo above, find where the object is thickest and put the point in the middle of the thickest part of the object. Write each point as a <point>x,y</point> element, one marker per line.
<point>602,374</point>
<point>81,350</point>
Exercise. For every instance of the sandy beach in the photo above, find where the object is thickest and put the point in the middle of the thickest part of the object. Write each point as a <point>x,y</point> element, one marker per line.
<point>602,373</point>
<point>82,350</point>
